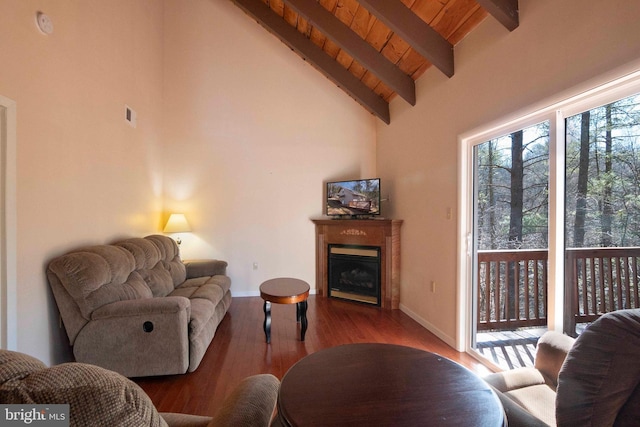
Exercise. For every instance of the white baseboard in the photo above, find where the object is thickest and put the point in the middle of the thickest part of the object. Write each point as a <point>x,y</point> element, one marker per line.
<point>428,326</point>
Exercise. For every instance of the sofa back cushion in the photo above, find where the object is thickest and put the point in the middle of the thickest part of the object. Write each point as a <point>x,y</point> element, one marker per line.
<point>599,380</point>
<point>157,260</point>
<point>99,275</point>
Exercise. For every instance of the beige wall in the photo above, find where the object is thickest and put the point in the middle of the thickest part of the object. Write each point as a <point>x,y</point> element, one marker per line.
<point>558,45</point>
<point>251,132</point>
<point>83,175</point>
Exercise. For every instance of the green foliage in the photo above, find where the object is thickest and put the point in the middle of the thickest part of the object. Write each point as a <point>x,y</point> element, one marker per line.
<point>613,186</point>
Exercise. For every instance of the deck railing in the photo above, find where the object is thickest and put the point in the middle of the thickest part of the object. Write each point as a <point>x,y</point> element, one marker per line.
<point>600,280</point>
<point>512,289</point>
<point>512,286</point>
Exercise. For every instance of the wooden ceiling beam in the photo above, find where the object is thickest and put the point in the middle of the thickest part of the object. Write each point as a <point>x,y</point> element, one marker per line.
<point>505,11</point>
<point>316,57</point>
<point>356,47</point>
<point>413,30</point>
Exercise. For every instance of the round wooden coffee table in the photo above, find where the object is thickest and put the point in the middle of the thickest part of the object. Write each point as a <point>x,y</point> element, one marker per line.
<point>385,385</point>
<point>285,290</point>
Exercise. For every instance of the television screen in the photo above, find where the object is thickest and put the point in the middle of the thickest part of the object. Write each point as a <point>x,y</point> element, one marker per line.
<point>353,198</point>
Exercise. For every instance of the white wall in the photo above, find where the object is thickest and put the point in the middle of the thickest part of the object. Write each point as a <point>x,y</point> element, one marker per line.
<point>558,45</point>
<point>252,133</point>
<point>247,130</point>
<point>83,175</point>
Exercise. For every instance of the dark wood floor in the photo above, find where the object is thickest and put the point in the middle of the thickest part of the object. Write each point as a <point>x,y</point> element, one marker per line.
<point>239,348</point>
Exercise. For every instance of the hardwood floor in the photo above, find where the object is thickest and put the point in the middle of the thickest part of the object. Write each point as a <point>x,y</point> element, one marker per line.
<point>239,348</point>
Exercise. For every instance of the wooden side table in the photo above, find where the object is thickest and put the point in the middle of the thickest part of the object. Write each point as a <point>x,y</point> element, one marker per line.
<point>285,290</point>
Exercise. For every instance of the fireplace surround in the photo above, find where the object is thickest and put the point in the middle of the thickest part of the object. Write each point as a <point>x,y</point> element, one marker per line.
<point>383,234</point>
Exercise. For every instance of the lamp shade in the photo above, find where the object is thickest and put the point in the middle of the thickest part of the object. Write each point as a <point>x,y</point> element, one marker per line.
<point>177,223</point>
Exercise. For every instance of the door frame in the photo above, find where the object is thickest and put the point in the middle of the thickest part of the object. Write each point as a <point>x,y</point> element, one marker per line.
<point>8,224</point>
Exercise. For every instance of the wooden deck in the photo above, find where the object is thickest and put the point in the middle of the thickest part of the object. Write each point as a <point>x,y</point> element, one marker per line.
<point>510,349</point>
<point>513,349</point>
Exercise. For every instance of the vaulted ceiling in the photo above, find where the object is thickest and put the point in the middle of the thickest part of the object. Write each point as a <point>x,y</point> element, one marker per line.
<point>375,49</point>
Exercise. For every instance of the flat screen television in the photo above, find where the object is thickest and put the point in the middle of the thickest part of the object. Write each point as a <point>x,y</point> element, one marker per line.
<point>356,198</point>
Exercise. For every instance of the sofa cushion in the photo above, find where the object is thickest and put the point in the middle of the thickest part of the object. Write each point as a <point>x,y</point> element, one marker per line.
<point>201,312</point>
<point>157,262</point>
<point>538,400</point>
<point>601,373</point>
<point>99,275</point>
<point>95,395</point>
<point>223,281</point>
<point>213,293</point>
<point>170,256</point>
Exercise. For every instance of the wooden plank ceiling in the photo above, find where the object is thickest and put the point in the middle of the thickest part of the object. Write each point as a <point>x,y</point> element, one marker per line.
<point>376,49</point>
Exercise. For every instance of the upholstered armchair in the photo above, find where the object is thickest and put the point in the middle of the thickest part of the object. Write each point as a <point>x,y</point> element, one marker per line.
<point>528,395</point>
<point>592,381</point>
<point>99,397</point>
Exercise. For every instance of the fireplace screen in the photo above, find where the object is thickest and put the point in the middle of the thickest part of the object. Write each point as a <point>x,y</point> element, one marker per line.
<point>354,273</point>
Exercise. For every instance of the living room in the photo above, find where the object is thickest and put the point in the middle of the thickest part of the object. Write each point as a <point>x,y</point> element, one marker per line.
<point>240,134</point>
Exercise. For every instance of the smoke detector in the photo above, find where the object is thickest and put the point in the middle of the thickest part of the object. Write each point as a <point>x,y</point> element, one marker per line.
<point>44,23</point>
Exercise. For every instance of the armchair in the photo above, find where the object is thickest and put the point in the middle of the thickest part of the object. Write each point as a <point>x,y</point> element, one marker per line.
<point>528,395</point>
<point>592,381</point>
<point>97,396</point>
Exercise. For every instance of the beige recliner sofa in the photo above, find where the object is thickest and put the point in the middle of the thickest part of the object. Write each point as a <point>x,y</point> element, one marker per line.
<point>591,381</point>
<point>99,397</point>
<point>135,308</point>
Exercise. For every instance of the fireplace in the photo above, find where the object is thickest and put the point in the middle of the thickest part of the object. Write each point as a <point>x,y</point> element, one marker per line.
<point>354,273</point>
<point>382,234</point>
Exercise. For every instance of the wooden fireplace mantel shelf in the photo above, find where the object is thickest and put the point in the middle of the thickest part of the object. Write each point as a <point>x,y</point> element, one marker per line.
<point>383,233</point>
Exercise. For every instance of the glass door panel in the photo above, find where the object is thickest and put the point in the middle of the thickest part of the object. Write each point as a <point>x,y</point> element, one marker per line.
<point>602,212</point>
<point>510,245</point>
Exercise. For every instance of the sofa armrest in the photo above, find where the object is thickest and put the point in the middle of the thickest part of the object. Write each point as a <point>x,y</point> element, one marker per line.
<point>252,403</point>
<point>205,267</point>
<point>551,351</point>
<point>175,419</point>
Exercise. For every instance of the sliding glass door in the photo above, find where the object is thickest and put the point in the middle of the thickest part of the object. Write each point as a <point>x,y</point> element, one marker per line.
<point>550,221</point>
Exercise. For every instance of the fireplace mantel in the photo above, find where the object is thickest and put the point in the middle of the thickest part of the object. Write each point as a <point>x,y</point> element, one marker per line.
<point>383,233</point>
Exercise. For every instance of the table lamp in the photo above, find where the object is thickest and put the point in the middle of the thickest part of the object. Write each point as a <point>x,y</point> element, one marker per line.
<point>177,223</point>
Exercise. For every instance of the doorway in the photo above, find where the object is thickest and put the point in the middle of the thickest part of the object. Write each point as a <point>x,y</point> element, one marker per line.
<point>8,299</point>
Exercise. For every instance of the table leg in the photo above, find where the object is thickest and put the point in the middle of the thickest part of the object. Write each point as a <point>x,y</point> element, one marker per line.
<point>303,319</point>
<point>267,320</point>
